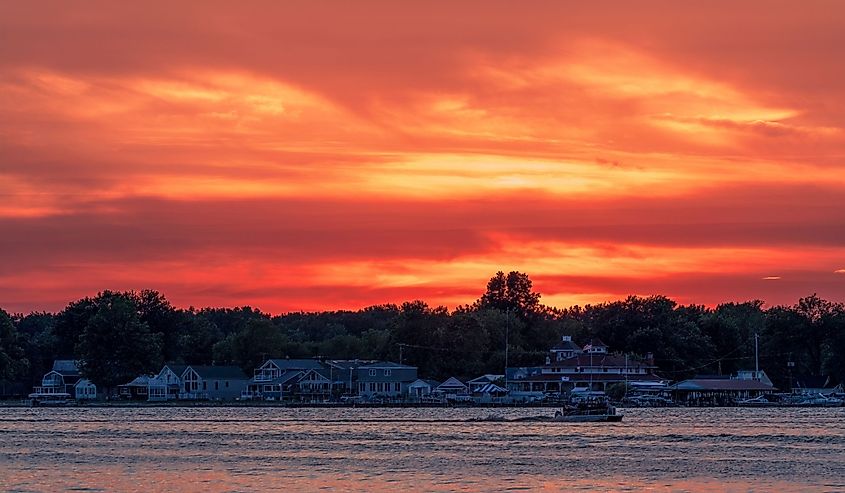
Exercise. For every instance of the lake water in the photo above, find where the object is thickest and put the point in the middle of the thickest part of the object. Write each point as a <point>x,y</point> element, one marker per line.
<point>255,449</point>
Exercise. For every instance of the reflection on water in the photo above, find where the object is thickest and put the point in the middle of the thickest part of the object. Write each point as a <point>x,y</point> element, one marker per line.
<point>252,449</point>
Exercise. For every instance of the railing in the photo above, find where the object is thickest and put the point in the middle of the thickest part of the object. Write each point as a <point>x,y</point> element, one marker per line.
<point>193,395</point>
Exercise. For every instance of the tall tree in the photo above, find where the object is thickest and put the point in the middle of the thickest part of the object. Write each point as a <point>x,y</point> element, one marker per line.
<point>116,346</point>
<point>13,362</point>
<point>510,293</point>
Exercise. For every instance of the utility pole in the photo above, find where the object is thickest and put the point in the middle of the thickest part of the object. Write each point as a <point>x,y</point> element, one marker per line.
<point>401,347</point>
<point>507,333</point>
<point>756,357</point>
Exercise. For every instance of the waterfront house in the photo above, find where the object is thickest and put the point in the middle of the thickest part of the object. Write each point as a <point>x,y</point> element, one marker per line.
<point>137,389</point>
<point>279,377</point>
<point>84,390</point>
<point>385,379</point>
<point>62,380</point>
<point>591,368</point>
<point>213,382</point>
<point>478,382</point>
<point>320,384</point>
<point>167,384</point>
<point>451,387</point>
<point>421,388</point>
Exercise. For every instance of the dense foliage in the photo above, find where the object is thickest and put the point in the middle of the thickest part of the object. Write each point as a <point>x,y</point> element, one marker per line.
<point>119,335</point>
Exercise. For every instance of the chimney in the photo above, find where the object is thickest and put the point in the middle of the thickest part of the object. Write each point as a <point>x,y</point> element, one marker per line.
<point>649,358</point>
<point>566,338</point>
<point>548,360</point>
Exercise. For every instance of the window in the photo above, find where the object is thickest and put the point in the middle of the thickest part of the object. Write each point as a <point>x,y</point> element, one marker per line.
<point>387,373</point>
<point>216,385</point>
<point>205,385</point>
<point>397,386</point>
<point>372,373</point>
<point>227,384</point>
<point>372,387</point>
<point>380,387</point>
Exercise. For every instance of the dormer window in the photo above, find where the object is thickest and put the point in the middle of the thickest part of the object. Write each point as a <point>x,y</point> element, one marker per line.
<point>387,373</point>
<point>372,373</point>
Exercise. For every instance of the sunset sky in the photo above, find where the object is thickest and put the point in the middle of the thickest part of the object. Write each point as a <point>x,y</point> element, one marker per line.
<point>317,155</point>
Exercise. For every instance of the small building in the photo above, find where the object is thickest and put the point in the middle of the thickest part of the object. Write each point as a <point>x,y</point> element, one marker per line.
<point>385,379</point>
<point>136,390</point>
<point>85,390</point>
<point>451,387</point>
<point>213,382</point>
<point>421,388</point>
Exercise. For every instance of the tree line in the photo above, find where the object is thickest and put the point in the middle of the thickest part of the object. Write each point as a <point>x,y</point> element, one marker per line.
<point>117,336</point>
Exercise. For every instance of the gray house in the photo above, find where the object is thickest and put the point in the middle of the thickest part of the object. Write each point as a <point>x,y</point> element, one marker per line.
<point>385,379</point>
<point>213,382</point>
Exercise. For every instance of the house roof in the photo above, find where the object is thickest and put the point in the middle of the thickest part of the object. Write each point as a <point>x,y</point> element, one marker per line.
<point>720,384</point>
<point>489,378</point>
<point>566,346</point>
<point>206,372</point>
<point>66,367</point>
<point>452,383</point>
<point>178,370</point>
<point>422,383</point>
<point>296,364</point>
<point>140,381</point>
<point>326,373</point>
<point>349,364</point>
<point>387,365</point>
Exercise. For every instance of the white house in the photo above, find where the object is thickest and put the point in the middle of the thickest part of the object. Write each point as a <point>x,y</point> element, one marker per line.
<point>84,390</point>
<point>167,384</point>
<point>421,388</point>
<point>452,386</point>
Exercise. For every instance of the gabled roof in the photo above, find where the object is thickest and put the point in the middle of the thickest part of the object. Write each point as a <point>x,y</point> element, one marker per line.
<point>387,365</point>
<point>323,372</point>
<point>178,370</point>
<point>283,379</point>
<point>421,382</point>
<point>217,372</point>
<point>452,383</point>
<point>140,381</point>
<point>566,346</point>
<point>295,364</point>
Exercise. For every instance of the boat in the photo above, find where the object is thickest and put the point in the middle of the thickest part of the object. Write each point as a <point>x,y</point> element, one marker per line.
<point>38,399</point>
<point>588,414</point>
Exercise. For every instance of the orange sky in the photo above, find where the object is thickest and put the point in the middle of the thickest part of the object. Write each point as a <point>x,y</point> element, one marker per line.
<point>311,155</point>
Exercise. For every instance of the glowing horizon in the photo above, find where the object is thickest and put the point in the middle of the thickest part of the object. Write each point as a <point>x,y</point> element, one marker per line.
<point>308,157</point>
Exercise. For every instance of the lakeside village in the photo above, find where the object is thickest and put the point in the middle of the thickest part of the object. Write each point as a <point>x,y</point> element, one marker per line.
<point>571,373</point>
